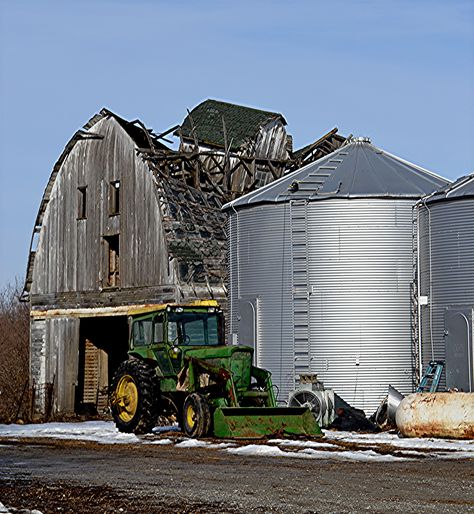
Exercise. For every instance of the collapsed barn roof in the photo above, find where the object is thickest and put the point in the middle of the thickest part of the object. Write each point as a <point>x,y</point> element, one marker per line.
<point>191,190</point>
<point>207,120</point>
<point>356,170</point>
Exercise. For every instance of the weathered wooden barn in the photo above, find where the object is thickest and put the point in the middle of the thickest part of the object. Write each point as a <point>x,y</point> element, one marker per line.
<point>110,233</point>
<point>127,221</point>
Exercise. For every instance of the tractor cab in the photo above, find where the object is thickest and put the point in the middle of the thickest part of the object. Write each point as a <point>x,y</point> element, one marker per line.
<point>166,335</point>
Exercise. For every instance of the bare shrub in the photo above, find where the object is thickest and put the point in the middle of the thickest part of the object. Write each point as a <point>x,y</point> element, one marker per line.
<point>14,353</point>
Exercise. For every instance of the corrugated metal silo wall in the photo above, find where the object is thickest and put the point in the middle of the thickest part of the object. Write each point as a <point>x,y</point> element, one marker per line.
<point>360,272</point>
<point>446,249</point>
<point>259,269</point>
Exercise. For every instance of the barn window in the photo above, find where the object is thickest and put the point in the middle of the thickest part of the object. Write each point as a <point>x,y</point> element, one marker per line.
<point>113,250</point>
<point>114,198</point>
<point>82,202</point>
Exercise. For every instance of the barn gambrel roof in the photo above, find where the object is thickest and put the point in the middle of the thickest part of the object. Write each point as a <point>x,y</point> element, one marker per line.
<point>192,221</point>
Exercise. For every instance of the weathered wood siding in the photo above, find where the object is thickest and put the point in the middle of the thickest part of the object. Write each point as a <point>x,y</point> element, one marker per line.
<point>72,254</point>
<point>96,376</point>
<point>54,362</point>
<point>271,142</point>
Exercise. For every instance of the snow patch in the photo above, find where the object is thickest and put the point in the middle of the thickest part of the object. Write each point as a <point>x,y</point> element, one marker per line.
<point>302,444</point>
<point>405,443</point>
<point>222,445</point>
<point>12,510</point>
<point>257,450</point>
<point>103,432</point>
<point>160,441</point>
<point>361,456</point>
<point>192,443</point>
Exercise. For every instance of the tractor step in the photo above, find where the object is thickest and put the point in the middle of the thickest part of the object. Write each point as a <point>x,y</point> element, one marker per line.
<point>259,422</point>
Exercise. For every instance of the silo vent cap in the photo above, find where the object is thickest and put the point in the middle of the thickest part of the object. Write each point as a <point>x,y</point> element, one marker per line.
<point>360,140</point>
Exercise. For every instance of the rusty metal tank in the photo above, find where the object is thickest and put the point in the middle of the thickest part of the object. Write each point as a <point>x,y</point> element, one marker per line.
<point>448,415</point>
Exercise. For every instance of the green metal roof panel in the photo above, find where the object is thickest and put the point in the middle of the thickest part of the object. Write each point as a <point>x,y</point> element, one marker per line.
<point>242,123</point>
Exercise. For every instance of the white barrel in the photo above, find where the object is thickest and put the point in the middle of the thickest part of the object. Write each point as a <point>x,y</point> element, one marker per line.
<point>449,415</point>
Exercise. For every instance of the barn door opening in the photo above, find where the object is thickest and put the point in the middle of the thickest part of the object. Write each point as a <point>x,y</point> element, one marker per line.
<point>103,346</point>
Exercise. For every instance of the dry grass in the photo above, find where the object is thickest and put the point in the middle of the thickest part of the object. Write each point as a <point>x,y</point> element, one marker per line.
<point>14,354</point>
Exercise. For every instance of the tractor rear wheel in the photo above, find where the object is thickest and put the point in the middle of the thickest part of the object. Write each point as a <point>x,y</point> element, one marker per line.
<point>134,397</point>
<point>196,416</point>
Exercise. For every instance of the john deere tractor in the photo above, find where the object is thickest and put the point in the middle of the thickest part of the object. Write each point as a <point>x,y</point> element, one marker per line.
<point>179,367</point>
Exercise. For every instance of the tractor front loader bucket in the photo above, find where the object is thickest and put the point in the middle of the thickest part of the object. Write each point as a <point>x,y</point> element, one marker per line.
<point>259,422</point>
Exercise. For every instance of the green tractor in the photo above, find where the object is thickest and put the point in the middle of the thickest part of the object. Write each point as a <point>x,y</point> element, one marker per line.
<point>179,368</point>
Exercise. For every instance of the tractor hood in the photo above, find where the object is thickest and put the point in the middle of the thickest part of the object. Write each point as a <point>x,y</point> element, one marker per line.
<point>236,359</point>
<point>215,352</point>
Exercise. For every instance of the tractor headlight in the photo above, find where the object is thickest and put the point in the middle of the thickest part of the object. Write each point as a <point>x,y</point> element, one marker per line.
<point>211,309</point>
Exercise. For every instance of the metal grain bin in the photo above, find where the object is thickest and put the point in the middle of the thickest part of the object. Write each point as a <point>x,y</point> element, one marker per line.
<point>446,281</point>
<point>320,272</point>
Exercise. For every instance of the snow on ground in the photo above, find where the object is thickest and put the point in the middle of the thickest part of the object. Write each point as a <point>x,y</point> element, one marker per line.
<point>4,510</point>
<point>402,442</point>
<point>160,441</point>
<point>198,443</point>
<point>96,431</point>
<point>362,456</point>
<point>304,444</point>
<point>263,450</point>
<point>364,447</point>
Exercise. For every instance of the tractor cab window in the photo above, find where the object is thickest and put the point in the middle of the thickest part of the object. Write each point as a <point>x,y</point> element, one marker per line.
<point>193,328</point>
<point>158,330</point>
<point>142,332</point>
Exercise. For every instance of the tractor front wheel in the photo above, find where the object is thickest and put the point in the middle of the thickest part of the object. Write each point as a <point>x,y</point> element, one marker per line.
<point>134,397</point>
<point>196,416</point>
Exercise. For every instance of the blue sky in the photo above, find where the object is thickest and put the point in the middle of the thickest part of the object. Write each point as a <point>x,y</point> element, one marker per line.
<point>400,72</point>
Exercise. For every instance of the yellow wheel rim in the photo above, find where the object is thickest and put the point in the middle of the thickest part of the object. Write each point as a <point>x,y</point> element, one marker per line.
<point>127,398</point>
<point>190,416</point>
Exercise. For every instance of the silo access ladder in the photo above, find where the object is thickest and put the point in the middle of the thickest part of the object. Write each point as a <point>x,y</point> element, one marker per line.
<point>300,289</point>
<point>430,380</point>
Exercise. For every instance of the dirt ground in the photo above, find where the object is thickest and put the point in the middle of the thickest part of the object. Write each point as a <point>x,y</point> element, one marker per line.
<point>76,477</point>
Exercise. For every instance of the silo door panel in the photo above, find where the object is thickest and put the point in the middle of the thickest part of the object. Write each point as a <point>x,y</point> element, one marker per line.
<point>459,348</point>
<point>248,323</point>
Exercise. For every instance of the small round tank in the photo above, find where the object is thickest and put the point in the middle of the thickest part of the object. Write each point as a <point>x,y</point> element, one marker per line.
<point>449,415</point>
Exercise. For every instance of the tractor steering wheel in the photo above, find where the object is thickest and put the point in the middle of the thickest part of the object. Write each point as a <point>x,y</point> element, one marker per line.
<point>186,338</point>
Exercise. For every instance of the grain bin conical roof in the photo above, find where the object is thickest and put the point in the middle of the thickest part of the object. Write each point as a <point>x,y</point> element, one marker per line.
<point>463,187</point>
<point>356,170</point>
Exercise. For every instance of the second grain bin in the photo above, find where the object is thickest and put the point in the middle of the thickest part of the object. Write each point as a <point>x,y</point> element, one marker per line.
<point>446,282</point>
<point>320,268</point>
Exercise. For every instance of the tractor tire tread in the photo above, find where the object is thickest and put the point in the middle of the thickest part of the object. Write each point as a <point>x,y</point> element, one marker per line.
<point>148,397</point>
<point>203,423</point>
